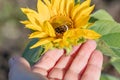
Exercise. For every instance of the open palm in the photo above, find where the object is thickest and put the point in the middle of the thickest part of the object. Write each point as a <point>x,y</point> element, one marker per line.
<point>83,63</point>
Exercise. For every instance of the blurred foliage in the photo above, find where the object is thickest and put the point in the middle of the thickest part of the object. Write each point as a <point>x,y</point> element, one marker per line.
<point>13,36</point>
<point>109,43</point>
<point>10,11</point>
<point>108,77</point>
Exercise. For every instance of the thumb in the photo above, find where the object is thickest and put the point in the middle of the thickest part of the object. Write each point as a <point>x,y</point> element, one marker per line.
<point>17,62</point>
<point>18,67</point>
<point>21,70</point>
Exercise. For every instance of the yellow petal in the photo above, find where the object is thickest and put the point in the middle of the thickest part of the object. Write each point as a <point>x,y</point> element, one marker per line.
<point>71,36</point>
<point>27,10</point>
<point>73,33</point>
<point>29,25</point>
<point>85,12</point>
<point>69,6</point>
<point>33,17</point>
<point>42,42</point>
<point>82,21</point>
<point>83,17</point>
<point>56,6</point>
<point>79,8</point>
<point>34,20</point>
<point>48,46</point>
<point>25,22</point>
<point>62,7</point>
<point>31,13</point>
<point>47,2</point>
<point>89,1</point>
<point>43,11</point>
<point>67,34</point>
<point>57,40</point>
<point>78,32</point>
<point>90,34</point>
<point>49,29</point>
<point>49,5</point>
<point>38,35</point>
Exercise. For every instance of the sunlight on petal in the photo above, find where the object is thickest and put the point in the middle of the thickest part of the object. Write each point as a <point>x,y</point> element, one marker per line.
<point>29,25</point>
<point>69,6</point>
<point>49,29</point>
<point>56,6</point>
<point>90,34</point>
<point>47,2</point>
<point>78,9</point>
<point>84,12</point>
<point>62,7</point>
<point>38,35</point>
<point>42,42</point>
<point>43,11</point>
<point>82,21</point>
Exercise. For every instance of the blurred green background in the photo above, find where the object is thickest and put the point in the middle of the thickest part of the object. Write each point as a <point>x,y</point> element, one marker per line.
<point>13,35</point>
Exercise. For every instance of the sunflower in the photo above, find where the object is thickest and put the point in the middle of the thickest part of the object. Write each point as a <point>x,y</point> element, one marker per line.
<point>60,23</point>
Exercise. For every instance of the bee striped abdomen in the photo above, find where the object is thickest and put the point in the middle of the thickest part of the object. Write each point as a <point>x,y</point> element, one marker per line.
<point>61,29</point>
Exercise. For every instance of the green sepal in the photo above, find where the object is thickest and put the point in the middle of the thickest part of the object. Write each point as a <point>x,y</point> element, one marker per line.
<point>77,1</point>
<point>92,19</point>
<point>33,55</point>
<point>81,40</point>
<point>68,50</point>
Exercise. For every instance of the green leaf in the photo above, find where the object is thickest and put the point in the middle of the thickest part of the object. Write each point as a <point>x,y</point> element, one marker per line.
<point>106,50</point>
<point>116,63</point>
<point>110,44</point>
<point>102,15</point>
<point>104,27</point>
<point>32,55</point>
<point>117,51</point>
<point>112,39</point>
<point>108,77</point>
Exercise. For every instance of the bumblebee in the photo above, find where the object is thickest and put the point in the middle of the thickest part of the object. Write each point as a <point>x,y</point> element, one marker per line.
<point>61,29</point>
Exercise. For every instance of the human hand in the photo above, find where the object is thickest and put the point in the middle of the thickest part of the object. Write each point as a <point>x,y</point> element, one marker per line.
<point>83,63</point>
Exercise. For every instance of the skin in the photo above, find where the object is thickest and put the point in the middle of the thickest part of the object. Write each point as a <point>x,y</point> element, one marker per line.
<point>83,63</point>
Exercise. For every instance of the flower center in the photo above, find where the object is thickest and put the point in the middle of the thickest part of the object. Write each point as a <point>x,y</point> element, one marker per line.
<point>61,24</point>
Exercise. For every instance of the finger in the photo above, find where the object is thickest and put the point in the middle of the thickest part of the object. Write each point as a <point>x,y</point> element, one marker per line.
<point>93,69</point>
<point>60,68</point>
<point>48,61</point>
<point>80,61</point>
